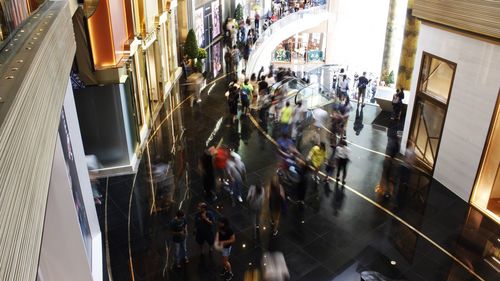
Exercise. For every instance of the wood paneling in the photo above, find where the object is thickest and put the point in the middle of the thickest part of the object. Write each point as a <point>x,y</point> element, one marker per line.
<point>477,16</point>
<point>29,118</point>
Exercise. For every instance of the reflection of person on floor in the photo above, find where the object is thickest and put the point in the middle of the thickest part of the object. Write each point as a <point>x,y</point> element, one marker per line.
<point>358,122</point>
<point>178,229</point>
<point>207,172</point>
<point>205,227</point>
<point>342,154</point>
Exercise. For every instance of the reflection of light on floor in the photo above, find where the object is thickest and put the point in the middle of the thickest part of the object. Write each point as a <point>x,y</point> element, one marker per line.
<point>393,262</point>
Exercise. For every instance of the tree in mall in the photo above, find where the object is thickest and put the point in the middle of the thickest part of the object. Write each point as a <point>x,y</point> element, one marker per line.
<point>191,45</point>
<point>238,13</point>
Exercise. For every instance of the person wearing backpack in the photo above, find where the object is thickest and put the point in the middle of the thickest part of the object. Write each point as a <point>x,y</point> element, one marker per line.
<point>245,93</point>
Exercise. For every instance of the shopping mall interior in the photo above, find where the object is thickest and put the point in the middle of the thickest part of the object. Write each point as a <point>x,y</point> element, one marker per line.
<point>249,140</point>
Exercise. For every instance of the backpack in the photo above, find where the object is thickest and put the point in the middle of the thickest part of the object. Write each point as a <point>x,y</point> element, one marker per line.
<point>395,98</point>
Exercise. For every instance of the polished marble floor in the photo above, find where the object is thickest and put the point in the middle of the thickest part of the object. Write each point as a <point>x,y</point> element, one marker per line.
<point>421,233</point>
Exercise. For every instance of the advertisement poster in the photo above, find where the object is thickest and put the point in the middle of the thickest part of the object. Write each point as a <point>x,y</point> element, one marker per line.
<point>217,58</point>
<point>199,27</point>
<point>75,185</point>
<point>215,19</point>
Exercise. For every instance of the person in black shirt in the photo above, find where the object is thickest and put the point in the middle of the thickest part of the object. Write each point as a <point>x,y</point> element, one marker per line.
<point>225,238</point>
<point>205,227</point>
<point>397,104</point>
<point>178,229</point>
<point>362,84</point>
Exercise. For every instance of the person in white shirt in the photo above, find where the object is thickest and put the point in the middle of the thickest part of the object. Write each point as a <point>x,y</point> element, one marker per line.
<point>320,117</point>
<point>344,86</point>
<point>270,79</point>
<point>299,115</point>
<point>342,154</point>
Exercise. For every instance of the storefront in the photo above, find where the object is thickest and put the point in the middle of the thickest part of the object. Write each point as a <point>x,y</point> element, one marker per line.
<point>207,22</point>
<point>486,193</point>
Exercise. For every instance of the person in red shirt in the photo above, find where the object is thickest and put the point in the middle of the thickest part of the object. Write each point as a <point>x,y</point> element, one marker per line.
<point>220,155</point>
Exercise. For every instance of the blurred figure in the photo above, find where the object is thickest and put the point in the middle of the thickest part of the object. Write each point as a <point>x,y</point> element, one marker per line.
<point>245,94</point>
<point>299,115</point>
<point>342,154</point>
<point>220,155</point>
<point>286,118</point>
<point>255,199</point>
<point>204,222</point>
<point>178,229</point>
<point>232,101</point>
<point>224,240</point>
<point>276,197</point>
<point>236,172</point>
<point>207,172</point>
<point>320,117</point>
<point>274,267</point>
<point>195,82</point>
<point>358,122</point>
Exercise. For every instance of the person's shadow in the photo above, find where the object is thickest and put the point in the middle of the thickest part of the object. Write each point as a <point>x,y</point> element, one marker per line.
<point>358,122</point>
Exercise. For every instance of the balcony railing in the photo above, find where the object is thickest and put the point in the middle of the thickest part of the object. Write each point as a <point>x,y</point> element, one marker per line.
<point>278,31</point>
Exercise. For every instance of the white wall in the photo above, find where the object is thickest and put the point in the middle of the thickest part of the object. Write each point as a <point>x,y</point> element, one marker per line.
<point>471,104</point>
<point>62,256</point>
<point>358,33</point>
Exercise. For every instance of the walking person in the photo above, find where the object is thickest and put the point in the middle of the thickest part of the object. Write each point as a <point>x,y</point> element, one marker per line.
<point>257,22</point>
<point>204,221</point>
<point>245,93</point>
<point>235,179</point>
<point>298,116</point>
<point>224,239</point>
<point>255,93</point>
<point>342,154</point>
<point>316,157</point>
<point>362,84</point>
<point>286,118</point>
<point>255,199</point>
<point>276,197</point>
<point>178,229</point>
<point>232,101</point>
<point>344,86</point>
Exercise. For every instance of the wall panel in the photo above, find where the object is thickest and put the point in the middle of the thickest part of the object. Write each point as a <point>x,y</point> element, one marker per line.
<point>478,16</point>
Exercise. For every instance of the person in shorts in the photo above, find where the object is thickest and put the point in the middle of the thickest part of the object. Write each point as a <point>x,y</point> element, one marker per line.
<point>225,238</point>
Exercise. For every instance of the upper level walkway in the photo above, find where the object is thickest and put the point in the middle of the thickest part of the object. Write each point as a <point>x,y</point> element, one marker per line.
<point>281,30</point>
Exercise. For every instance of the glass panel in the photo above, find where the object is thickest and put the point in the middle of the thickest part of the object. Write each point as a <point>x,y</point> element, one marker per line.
<point>437,76</point>
<point>486,194</point>
<point>426,132</point>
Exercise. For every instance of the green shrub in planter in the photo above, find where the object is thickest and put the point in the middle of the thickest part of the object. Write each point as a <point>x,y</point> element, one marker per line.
<point>238,13</point>
<point>202,53</point>
<point>191,45</point>
<point>199,65</point>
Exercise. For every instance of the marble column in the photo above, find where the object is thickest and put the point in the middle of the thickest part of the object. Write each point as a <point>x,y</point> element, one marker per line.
<point>388,49</point>
<point>333,8</point>
<point>409,48</point>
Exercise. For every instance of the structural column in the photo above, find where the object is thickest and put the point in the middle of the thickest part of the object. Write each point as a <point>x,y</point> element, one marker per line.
<point>389,37</point>
<point>331,34</point>
<point>409,48</point>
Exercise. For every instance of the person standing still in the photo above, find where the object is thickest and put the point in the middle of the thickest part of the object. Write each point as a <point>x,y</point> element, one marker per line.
<point>342,154</point>
<point>362,84</point>
<point>397,104</point>
<point>257,22</point>
<point>205,227</point>
<point>225,239</point>
<point>178,229</point>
